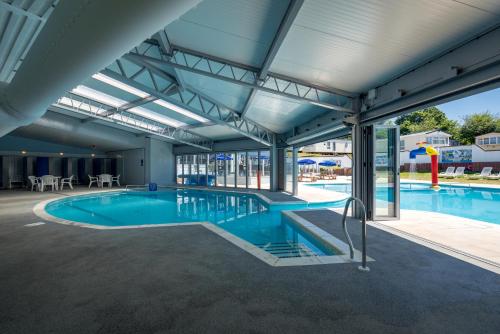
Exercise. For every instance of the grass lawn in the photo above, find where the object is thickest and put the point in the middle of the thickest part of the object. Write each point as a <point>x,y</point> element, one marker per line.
<point>425,176</point>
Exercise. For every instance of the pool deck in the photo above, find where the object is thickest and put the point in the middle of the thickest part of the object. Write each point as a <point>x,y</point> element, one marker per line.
<point>65,279</point>
<point>470,240</point>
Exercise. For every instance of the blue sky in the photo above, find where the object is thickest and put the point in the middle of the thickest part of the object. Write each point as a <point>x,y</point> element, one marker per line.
<point>457,109</point>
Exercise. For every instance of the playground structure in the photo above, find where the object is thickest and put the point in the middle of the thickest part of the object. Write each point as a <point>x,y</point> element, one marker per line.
<point>433,153</point>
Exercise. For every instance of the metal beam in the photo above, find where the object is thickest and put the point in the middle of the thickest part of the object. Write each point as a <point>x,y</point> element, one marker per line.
<point>85,106</point>
<point>469,68</point>
<point>20,11</point>
<point>285,25</point>
<point>166,47</point>
<point>190,100</point>
<point>246,76</point>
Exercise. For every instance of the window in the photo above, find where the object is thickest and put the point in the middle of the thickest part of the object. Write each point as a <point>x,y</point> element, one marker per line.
<point>225,169</point>
<point>401,145</point>
<point>179,169</point>
<point>480,141</point>
<point>493,140</point>
<point>241,174</point>
<point>486,141</point>
<point>253,167</point>
<point>230,170</point>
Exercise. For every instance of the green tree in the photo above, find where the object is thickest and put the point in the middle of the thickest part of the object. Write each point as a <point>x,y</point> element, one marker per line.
<point>478,124</point>
<point>426,120</point>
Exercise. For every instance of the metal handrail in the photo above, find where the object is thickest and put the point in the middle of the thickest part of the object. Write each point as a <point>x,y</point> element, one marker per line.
<point>363,266</point>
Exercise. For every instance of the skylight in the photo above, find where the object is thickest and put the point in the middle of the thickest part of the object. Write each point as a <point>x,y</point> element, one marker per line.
<point>120,85</point>
<point>117,103</point>
<point>180,110</point>
<point>137,92</point>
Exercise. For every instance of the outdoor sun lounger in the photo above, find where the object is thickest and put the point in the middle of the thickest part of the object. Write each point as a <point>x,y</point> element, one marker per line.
<point>459,172</point>
<point>494,177</point>
<point>449,171</point>
<point>484,173</point>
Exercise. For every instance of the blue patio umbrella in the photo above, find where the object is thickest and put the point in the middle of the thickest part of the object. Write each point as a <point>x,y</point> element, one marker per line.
<point>306,162</point>
<point>328,163</point>
<point>222,157</point>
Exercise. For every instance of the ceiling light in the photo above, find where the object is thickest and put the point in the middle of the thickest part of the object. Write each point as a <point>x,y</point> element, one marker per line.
<point>23,152</point>
<point>61,153</point>
<point>120,85</point>
<point>92,155</point>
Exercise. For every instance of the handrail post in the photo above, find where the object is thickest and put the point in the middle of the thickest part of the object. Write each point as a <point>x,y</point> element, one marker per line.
<point>363,266</point>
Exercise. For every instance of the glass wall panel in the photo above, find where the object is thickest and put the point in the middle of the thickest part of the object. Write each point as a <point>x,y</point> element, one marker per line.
<point>202,169</point>
<point>265,168</point>
<point>221,168</point>
<point>386,172</point>
<point>289,170</point>
<point>178,171</point>
<point>211,170</point>
<point>186,161</point>
<point>253,167</point>
<point>230,170</point>
<point>193,178</point>
<point>241,160</point>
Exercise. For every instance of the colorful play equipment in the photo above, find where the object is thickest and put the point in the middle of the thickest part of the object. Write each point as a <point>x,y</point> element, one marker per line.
<point>433,153</point>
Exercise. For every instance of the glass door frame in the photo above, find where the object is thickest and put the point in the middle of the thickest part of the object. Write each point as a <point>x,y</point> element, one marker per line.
<point>396,176</point>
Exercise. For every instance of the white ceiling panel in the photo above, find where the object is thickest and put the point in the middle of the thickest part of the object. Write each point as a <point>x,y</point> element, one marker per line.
<point>356,44</point>
<point>237,30</point>
<point>280,114</point>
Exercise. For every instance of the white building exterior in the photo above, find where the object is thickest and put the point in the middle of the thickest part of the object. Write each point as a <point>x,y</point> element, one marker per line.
<point>435,138</point>
<point>489,141</point>
<point>329,146</point>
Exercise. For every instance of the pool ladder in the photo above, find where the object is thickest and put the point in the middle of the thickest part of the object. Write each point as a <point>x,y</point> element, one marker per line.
<point>363,266</point>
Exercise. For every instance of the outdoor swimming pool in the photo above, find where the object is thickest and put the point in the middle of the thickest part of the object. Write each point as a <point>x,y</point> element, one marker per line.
<point>470,202</point>
<point>243,215</point>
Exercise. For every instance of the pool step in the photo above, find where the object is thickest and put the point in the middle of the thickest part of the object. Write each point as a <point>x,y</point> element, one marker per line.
<point>287,249</point>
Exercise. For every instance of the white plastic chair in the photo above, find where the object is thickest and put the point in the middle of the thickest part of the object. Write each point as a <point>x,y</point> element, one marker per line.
<point>93,179</point>
<point>484,174</point>
<point>35,183</point>
<point>105,178</point>
<point>449,171</point>
<point>116,179</point>
<point>459,172</point>
<point>68,181</point>
<point>48,181</point>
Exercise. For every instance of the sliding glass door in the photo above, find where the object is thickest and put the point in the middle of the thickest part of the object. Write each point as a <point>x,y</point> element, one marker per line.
<point>386,172</point>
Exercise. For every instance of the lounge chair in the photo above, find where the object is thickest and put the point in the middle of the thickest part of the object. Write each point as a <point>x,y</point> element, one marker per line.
<point>459,172</point>
<point>449,171</point>
<point>484,173</point>
<point>493,177</point>
<point>67,181</point>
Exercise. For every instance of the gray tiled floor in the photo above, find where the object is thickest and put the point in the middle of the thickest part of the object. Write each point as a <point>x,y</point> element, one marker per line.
<point>64,279</point>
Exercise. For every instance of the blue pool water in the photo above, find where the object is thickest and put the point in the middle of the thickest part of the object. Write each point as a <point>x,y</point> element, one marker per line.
<point>469,202</point>
<point>243,215</point>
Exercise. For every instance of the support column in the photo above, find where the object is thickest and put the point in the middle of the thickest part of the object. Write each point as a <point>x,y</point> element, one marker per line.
<point>295,182</point>
<point>362,168</point>
<point>274,165</point>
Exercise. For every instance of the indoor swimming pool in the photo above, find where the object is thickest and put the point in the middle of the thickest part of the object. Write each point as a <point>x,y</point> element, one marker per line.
<point>243,215</point>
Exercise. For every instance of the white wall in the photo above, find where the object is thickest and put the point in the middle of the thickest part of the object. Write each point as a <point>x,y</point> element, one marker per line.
<point>478,155</point>
<point>160,162</point>
<point>130,165</point>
